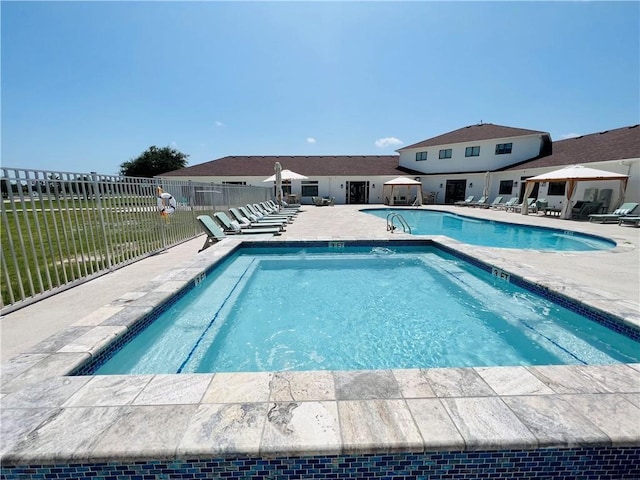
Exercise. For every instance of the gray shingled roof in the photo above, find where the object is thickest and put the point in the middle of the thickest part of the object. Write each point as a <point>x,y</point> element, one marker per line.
<point>616,144</point>
<point>311,166</point>
<point>473,133</point>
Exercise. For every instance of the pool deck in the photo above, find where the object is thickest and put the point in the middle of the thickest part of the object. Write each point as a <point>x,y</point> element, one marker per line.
<point>47,417</point>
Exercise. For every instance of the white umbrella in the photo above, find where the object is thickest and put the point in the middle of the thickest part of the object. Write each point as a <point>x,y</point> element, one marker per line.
<point>286,175</point>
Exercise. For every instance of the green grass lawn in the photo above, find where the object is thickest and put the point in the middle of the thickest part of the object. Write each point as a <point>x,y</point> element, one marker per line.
<point>48,243</point>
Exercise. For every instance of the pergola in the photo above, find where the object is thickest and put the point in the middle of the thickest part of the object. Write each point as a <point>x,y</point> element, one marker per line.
<point>405,183</point>
<point>572,175</point>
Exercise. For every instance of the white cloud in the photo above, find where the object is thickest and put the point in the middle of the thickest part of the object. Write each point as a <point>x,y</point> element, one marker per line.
<point>387,142</point>
<point>219,123</point>
<point>569,135</point>
<point>311,140</point>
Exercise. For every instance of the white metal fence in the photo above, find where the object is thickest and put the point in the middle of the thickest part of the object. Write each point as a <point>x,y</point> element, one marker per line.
<point>60,229</point>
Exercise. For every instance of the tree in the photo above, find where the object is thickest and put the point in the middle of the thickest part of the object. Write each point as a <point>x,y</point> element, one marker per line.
<point>154,161</point>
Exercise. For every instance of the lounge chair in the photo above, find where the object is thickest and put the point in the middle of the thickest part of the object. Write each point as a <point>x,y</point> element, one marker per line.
<point>540,205</point>
<point>256,216</point>
<point>317,201</point>
<point>518,208</point>
<point>232,227</point>
<point>271,213</point>
<point>211,229</point>
<point>480,203</point>
<point>581,210</point>
<point>285,206</point>
<point>244,217</point>
<point>258,212</point>
<point>465,202</point>
<point>624,210</point>
<point>630,220</point>
<point>508,204</point>
<point>495,204</point>
<point>274,209</point>
<point>248,222</point>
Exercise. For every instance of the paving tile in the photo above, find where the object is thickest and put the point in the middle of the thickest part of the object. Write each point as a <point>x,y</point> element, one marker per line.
<point>301,428</point>
<point>614,378</point>
<point>93,340</point>
<point>487,423</point>
<point>98,316</point>
<point>57,341</point>
<point>174,389</point>
<point>378,426</point>
<point>108,390</point>
<point>238,387</point>
<point>50,392</point>
<point>17,423</point>
<point>414,383</point>
<point>67,436</point>
<point>457,382</point>
<point>224,429</point>
<point>143,432</point>
<point>555,422</point>
<point>614,414</point>
<point>513,381</point>
<point>19,364</point>
<point>438,431</point>
<point>567,379</point>
<point>366,384</point>
<point>301,386</point>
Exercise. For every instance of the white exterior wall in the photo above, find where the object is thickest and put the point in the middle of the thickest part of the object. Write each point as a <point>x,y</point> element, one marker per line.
<point>524,148</point>
<point>336,186</point>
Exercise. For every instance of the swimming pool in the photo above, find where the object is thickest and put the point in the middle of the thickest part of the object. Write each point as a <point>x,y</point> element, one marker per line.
<point>490,233</point>
<point>344,306</point>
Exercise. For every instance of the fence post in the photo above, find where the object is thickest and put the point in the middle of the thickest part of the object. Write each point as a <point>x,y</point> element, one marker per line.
<point>103,227</point>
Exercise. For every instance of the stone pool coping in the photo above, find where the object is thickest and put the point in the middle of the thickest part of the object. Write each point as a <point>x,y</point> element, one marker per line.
<point>48,417</point>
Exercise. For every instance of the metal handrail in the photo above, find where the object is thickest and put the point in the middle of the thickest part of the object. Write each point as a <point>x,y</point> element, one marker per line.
<point>391,227</point>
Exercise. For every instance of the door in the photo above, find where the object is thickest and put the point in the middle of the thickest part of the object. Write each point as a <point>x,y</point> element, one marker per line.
<point>455,191</point>
<point>357,192</point>
<point>523,186</point>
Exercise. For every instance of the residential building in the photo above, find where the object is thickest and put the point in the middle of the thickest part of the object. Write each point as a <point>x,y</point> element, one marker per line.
<point>473,160</point>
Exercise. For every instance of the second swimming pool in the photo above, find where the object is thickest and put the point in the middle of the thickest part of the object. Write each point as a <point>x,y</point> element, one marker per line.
<point>490,233</point>
<point>335,306</point>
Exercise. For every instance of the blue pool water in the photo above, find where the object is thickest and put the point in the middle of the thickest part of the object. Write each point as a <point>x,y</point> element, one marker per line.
<point>489,233</point>
<point>361,307</point>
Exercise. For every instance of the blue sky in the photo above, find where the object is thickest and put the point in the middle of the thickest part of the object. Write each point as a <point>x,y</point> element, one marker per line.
<point>87,86</point>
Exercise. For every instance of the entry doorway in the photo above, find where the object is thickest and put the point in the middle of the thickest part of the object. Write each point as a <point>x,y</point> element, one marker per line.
<point>455,191</point>
<point>523,186</point>
<point>357,192</point>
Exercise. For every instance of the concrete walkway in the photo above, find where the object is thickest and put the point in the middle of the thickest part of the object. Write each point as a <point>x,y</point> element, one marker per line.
<point>609,278</point>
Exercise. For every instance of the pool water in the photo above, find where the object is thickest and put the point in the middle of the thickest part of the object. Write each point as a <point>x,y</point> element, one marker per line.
<point>489,233</point>
<point>361,307</point>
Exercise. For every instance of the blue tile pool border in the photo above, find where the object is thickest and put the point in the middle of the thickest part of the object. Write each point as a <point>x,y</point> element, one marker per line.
<point>585,463</point>
<point>606,319</point>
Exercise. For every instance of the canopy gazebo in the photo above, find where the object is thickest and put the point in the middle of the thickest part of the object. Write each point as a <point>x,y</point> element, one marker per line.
<point>402,184</point>
<point>572,175</point>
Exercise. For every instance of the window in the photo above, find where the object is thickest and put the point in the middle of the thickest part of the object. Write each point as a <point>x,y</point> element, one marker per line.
<point>472,152</point>
<point>309,189</point>
<point>506,187</point>
<point>502,148</point>
<point>234,183</point>
<point>421,156</point>
<point>446,153</point>
<point>556,188</point>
